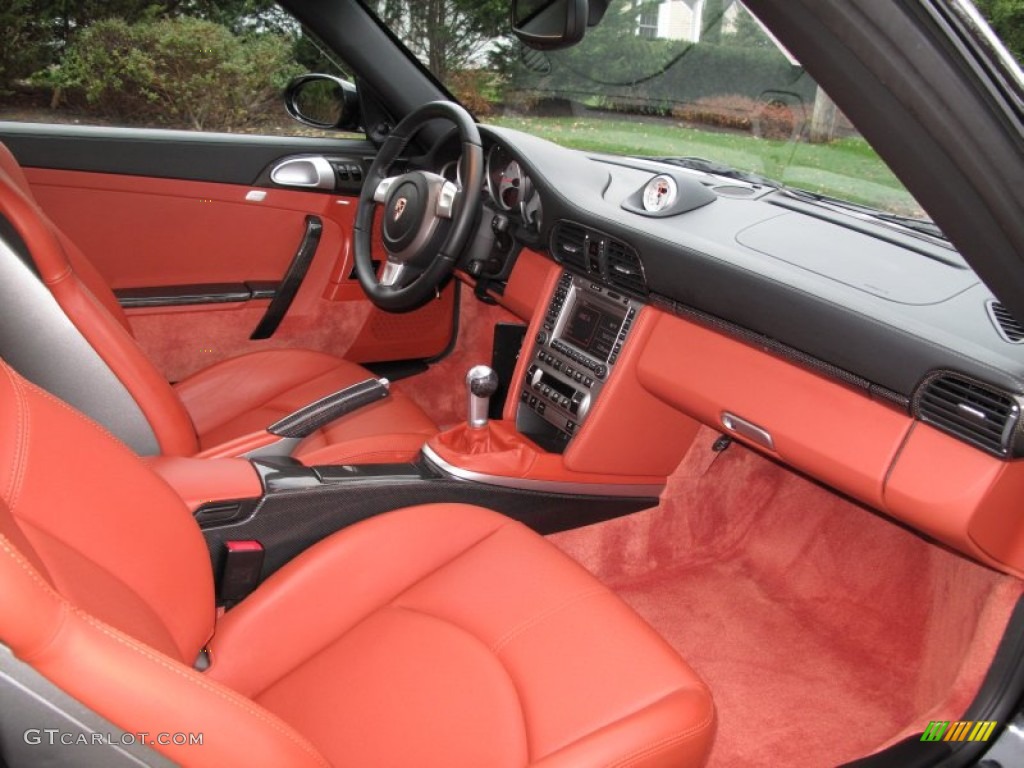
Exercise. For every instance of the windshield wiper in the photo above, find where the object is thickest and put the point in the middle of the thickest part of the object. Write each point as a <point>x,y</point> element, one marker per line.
<point>717,169</point>
<point>920,226</point>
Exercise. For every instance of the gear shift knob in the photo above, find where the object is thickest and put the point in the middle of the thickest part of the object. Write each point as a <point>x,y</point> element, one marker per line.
<point>481,383</point>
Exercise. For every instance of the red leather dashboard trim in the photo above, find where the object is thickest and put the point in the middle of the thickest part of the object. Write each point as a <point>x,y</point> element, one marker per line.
<point>819,426</point>
<point>540,283</point>
<point>529,284</point>
<point>961,496</point>
<point>629,431</point>
<point>503,452</point>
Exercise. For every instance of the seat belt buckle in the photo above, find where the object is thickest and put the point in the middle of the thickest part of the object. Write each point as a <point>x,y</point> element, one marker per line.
<point>240,573</point>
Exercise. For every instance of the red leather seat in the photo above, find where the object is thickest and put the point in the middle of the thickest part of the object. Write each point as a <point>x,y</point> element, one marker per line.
<point>441,635</point>
<point>221,406</point>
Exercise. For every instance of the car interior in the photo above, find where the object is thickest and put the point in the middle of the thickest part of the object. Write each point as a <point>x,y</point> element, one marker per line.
<point>447,445</point>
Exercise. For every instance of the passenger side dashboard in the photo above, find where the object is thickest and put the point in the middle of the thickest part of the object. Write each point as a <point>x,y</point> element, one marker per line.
<point>909,403</point>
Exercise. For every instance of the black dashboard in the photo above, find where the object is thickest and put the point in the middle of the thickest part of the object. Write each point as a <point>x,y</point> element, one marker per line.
<point>885,310</point>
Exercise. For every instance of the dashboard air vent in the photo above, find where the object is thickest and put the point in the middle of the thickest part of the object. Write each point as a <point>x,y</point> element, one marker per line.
<point>976,413</point>
<point>1007,325</point>
<point>625,269</point>
<point>570,242</point>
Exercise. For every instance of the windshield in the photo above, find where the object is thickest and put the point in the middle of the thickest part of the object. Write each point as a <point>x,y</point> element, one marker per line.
<point>659,78</point>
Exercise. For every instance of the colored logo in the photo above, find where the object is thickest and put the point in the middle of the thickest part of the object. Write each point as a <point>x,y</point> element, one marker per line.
<point>400,208</point>
<point>961,730</point>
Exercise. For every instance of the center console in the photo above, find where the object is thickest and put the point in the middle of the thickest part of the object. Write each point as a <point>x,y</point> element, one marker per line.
<point>573,354</point>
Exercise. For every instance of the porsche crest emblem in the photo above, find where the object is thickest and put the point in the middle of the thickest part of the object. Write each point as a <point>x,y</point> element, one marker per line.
<point>400,207</point>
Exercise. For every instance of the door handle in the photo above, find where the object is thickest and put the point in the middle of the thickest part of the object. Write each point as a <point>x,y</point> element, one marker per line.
<point>313,172</point>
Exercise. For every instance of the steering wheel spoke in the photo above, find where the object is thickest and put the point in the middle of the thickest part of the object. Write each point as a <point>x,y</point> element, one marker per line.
<point>380,194</point>
<point>395,274</point>
<point>446,198</point>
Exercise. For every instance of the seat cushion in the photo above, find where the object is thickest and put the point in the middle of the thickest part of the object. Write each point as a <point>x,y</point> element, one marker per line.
<point>246,394</point>
<point>448,635</point>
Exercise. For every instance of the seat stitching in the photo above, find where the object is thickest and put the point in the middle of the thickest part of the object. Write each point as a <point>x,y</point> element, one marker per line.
<point>130,643</point>
<point>531,622</point>
<point>449,561</point>
<point>662,744</point>
<point>225,693</point>
<point>43,531</point>
<point>21,443</point>
<point>389,602</point>
<point>501,663</point>
<point>95,426</point>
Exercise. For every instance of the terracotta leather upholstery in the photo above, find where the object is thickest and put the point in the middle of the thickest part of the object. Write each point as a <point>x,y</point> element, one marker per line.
<point>227,401</point>
<point>440,635</point>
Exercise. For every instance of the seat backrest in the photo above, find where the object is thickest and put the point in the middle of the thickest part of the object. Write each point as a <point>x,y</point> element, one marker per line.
<point>91,306</point>
<point>107,588</point>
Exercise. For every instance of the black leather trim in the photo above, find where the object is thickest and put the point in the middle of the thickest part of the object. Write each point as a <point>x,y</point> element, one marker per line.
<point>166,154</point>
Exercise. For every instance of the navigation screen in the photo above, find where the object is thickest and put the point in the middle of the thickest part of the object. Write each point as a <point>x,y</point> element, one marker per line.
<point>592,328</point>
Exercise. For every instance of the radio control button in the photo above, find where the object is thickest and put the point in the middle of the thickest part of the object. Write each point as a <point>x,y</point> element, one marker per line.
<point>578,376</point>
<point>541,408</point>
<point>601,371</point>
<point>533,402</point>
<point>588,382</point>
<point>525,396</point>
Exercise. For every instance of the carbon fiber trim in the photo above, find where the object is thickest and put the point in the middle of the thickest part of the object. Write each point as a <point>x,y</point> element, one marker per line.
<point>310,418</point>
<point>287,523</point>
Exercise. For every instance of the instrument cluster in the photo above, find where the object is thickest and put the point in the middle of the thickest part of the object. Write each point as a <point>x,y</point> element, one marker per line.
<point>507,184</point>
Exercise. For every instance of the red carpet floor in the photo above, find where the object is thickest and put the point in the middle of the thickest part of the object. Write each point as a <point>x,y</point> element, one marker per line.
<point>823,629</point>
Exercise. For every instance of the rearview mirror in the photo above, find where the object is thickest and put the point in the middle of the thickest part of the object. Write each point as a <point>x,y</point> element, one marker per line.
<point>549,24</point>
<point>323,101</point>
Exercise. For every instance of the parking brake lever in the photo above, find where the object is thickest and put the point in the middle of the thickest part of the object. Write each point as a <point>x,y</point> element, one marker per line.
<point>310,418</point>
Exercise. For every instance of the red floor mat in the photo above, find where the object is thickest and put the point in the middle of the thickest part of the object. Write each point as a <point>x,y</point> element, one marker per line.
<point>823,629</point>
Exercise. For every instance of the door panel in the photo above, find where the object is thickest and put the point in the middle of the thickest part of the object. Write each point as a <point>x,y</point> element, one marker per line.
<point>141,232</point>
<point>152,231</point>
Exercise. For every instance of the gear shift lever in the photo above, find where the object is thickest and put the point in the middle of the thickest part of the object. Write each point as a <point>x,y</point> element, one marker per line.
<point>481,383</point>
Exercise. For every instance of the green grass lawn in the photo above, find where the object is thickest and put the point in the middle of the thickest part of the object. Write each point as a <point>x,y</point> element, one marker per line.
<point>848,168</point>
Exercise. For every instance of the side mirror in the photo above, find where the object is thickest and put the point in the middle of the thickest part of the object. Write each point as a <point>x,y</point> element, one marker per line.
<point>323,101</point>
<point>549,24</point>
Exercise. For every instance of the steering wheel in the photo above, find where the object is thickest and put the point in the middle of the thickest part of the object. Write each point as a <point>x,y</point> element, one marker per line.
<point>426,219</point>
